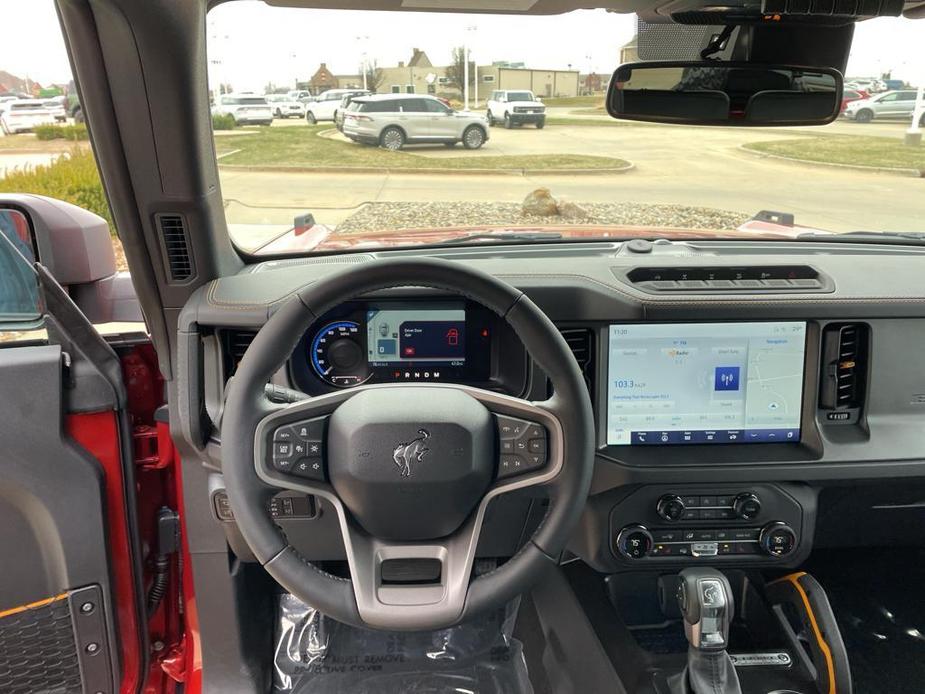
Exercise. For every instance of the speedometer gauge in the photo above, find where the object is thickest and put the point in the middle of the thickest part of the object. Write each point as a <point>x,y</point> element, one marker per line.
<point>338,354</point>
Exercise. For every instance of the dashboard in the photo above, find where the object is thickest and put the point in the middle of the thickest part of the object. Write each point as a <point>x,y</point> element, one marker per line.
<point>735,401</point>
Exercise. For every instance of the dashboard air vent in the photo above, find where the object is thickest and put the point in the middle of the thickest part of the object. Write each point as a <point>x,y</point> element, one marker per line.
<point>175,243</point>
<point>234,345</point>
<point>797,279</point>
<point>581,342</point>
<point>844,370</point>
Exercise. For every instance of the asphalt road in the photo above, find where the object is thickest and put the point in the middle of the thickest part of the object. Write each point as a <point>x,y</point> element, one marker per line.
<point>683,165</point>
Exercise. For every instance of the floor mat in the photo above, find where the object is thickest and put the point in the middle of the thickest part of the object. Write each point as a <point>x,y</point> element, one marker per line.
<point>316,654</point>
<point>877,596</point>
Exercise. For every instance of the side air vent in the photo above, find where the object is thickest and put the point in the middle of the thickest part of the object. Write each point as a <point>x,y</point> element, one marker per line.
<point>176,247</point>
<point>844,370</point>
<point>581,342</point>
<point>234,345</point>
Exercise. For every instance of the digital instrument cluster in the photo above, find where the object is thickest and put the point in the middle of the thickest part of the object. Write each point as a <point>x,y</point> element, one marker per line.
<point>399,340</point>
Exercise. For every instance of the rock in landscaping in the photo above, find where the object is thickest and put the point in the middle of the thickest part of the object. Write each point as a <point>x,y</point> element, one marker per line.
<point>540,203</point>
<point>572,211</point>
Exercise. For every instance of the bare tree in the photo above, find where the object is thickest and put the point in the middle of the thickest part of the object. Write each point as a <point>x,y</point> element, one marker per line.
<point>374,75</point>
<point>455,73</point>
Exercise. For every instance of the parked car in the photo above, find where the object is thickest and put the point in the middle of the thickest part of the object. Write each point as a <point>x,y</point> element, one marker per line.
<point>345,102</point>
<point>394,120</point>
<point>888,105</point>
<point>58,108</point>
<point>299,95</point>
<point>849,95</point>
<point>515,108</point>
<point>244,108</point>
<point>326,105</point>
<point>22,115</point>
<point>285,106</point>
<point>872,85</point>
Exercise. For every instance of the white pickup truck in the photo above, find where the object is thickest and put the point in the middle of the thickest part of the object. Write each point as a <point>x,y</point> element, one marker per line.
<point>515,107</point>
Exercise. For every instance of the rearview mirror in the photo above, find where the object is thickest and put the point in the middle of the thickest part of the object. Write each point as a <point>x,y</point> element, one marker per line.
<point>714,93</point>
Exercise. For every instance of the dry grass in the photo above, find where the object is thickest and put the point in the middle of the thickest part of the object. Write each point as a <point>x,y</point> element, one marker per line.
<point>848,149</point>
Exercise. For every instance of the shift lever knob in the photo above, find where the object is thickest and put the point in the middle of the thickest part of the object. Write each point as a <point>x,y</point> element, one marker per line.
<point>705,599</point>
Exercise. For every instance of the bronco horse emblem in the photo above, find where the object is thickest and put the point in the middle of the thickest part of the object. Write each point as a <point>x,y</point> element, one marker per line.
<point>406,453</point>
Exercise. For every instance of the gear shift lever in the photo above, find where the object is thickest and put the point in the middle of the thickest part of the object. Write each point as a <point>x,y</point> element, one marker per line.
<point>705,599</point>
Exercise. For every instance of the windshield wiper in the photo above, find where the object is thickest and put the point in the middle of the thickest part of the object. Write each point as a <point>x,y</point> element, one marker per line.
<point>903,237</point>
<point>513,236</point>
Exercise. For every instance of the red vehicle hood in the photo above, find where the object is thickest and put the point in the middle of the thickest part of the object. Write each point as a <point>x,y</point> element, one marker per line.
<point>322,238</point>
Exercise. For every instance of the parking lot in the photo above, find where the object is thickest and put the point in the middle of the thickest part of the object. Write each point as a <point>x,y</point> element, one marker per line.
<point>681,165</point>
<point>671,165</point>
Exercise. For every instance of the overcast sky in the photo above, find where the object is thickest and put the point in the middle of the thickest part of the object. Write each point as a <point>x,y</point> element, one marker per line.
<point>252,44</point>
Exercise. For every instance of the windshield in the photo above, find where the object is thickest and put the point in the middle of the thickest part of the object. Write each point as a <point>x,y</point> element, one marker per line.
<point>366,175</point>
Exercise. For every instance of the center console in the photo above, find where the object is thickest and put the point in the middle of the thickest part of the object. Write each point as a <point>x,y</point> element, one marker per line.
<point>766,523</point>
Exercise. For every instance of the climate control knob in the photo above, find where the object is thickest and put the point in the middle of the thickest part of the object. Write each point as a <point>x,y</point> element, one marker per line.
<point>670,507</point>
<point>777,539</point>
<point>747,506</point>
<point>634,542</point>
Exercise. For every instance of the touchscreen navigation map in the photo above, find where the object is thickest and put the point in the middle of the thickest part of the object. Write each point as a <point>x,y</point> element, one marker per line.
<point>402,334</point>
<point>705,383</point>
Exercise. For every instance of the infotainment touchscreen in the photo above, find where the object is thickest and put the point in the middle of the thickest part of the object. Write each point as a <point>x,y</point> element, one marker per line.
<point>705,383</point>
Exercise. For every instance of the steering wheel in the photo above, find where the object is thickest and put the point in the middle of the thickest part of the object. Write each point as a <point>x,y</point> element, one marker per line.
<point>409,469</point>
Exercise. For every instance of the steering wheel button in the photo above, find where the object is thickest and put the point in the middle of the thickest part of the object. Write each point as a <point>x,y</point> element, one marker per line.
<point>511,427</point>
<point>520,446</point>
<point>282,435</point>
<point>507,446</point>
<point>538,446</point>
<point>314,448</point>
<point>283,464</point>
<point>312,429</point>
<point>282,450</point>
<point>309,468</point>
<point>298,448</point>
<point>509,465</point>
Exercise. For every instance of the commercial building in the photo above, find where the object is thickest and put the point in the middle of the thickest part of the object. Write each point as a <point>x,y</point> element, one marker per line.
<point>420,76</point>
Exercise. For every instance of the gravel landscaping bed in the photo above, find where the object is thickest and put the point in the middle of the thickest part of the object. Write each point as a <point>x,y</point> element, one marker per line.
<point>378,216</point>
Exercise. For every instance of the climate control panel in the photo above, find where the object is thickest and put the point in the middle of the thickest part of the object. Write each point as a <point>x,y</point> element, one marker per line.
<point>750,523</point>
<point>776,539</point>
<point>712,507</point>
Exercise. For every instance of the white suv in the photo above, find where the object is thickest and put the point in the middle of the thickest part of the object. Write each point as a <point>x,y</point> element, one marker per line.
<point>244,108</point>
<point>326,105</point>
<point>284,106</point>
<point>515,107</point>
<point>393,120</point>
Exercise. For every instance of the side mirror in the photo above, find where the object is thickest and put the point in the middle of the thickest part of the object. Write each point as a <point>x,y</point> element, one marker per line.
<point>20,299</point>
<point>75,246</point>
<point>714,93</point>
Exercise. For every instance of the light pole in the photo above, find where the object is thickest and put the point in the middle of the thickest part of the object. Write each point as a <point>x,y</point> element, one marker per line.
<point>914,133</point>
<point>589,58</point>
<point>465,78</point>
<point>475,78</point>
<point>362,41</point>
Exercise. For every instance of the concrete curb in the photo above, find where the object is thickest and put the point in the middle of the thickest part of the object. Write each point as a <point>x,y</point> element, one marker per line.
<point>889,171</point>
<point>429,171</point>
